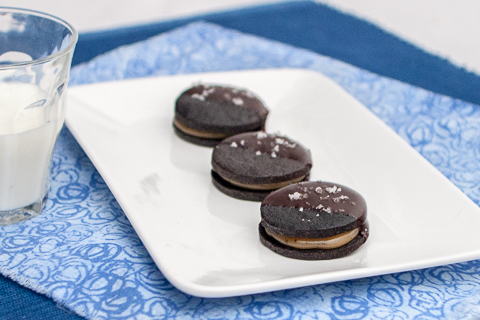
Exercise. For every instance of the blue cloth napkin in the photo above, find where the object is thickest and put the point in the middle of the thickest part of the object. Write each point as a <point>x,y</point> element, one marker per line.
<point>83,252</point>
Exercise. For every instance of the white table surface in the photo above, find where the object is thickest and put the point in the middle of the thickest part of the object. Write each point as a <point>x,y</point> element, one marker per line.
<point>450,29</point>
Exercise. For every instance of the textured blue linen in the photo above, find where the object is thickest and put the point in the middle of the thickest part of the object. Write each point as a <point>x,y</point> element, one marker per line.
<point>83,252</point>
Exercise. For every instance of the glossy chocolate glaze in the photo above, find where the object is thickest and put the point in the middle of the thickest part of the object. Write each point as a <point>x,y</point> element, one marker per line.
<point>274,145</point>
<point>313,209</point>
<point>258,157</point>
<point>220,109</point>
<point>227,95</point>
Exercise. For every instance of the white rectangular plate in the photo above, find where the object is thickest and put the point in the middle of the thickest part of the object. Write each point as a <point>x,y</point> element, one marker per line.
<point>206,243</point>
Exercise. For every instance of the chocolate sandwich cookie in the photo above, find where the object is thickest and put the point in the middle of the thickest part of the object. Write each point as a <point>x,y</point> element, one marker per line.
<point>250,165</point>
<point>207,114</point>
<point>314,221</point>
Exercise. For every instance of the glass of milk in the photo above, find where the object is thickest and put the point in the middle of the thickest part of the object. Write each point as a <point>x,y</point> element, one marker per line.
<point>35,56</point>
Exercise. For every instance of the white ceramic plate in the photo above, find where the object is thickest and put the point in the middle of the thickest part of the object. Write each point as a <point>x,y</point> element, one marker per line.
<point>206,243</point>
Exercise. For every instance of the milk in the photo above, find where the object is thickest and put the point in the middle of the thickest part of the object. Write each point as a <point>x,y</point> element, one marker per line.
<point>26,144</point>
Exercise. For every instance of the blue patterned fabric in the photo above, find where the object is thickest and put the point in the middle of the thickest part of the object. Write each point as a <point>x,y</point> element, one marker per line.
<point>83,252</point>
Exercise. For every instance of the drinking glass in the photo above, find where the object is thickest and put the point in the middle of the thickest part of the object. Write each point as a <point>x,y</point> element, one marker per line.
<point>35,57</point>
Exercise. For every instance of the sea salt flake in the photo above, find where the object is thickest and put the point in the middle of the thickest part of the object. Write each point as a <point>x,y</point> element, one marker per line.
<point>242,142</point>
<point>290,145</point>
<point>237,101</point>
<point>279,140</point>
<point>300,209</point>
<point>319,207</point>
<point>318,190</point>
<point>340,198</point>
<point>295,196</point>
<point>261,135</point>
<point>333,189</point>
<point>198,97</point>
<point>207,92</point>
<point>276,148</point>
<point>328,210</point>
<point>274,155</point>
<point>258,153</point>
<point>234,144</point>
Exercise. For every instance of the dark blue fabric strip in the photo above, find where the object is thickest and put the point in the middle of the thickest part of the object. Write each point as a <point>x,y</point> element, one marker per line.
<point>17,302</point>
<point>323,30</point>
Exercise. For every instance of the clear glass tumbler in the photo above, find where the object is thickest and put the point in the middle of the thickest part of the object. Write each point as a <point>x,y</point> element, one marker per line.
<point>35,57</point>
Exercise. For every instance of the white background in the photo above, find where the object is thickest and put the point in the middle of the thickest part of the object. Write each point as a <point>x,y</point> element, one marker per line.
<point>448,28</point>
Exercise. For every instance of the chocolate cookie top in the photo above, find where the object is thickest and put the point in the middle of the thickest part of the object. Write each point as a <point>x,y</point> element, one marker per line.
<point>313,209</point>
<point>221,109</point>
<point>261,158</point>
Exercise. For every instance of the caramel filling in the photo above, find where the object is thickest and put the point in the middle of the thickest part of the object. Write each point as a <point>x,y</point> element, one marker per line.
<point>316,243</point>
<point>198,133</point>
<point>266,186</point>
